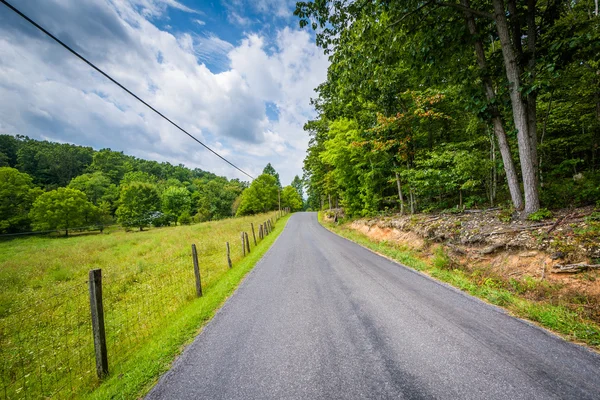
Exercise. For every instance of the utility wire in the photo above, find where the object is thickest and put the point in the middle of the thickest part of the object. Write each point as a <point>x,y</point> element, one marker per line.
<point>7,4</point>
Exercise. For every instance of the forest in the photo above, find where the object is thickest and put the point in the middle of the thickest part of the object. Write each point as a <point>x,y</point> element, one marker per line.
<point>46,186</point>
<point>447,105</point>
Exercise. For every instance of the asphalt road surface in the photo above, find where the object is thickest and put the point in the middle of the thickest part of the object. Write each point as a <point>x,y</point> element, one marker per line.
<point>323,318</point>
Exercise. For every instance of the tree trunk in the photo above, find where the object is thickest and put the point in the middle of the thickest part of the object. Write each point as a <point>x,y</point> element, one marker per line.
<point>329,201</point>
<point>509,166</point>
<point>400,193</point>
<point>532,96</point>
<point>519,109</point>
<point>460,199</point>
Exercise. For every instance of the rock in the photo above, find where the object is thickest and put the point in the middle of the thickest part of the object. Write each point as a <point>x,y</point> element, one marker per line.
<point>558,255</point>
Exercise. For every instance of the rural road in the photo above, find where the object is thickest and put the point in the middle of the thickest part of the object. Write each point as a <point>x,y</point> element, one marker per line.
<point>322,318</point>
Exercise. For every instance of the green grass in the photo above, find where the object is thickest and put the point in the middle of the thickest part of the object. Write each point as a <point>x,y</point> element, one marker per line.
<point>510,294</point>
<point>149,302</point>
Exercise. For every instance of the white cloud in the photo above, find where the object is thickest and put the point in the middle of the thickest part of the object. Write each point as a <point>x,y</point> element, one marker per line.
<point>200,22</point>
<point>47,93</point>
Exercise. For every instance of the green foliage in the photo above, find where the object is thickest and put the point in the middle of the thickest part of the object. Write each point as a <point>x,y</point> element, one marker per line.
<point>52,164</point>
<point>17,194</point>
<point>138,204</point>
<point>113,164</point>
<point>261,196</point>
<point>175,201</point>
<point>269,169</point>
<point>441,259</point>
<point>298,184</point>
<point>96,186</point>
<point>406,74</point>
<point>63,209</point>
<point>101,175</point>
<point>540,215</point>
<point>291,198</point>
<point>184,218</point>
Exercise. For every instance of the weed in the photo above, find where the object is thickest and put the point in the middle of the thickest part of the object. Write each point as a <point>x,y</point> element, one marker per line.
<point>441,259</point>
<point>540,215</point>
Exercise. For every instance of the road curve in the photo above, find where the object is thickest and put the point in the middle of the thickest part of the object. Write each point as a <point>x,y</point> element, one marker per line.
<point>323,318</point>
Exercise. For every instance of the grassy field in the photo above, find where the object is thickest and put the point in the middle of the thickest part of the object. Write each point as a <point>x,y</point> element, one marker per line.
<point>46,347</point>
<point>510,294</point>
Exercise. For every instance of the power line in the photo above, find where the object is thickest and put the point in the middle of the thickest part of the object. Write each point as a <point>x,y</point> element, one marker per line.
<point>7,4</point>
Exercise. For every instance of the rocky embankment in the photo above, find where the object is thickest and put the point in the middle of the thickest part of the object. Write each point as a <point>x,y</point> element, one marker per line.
<point>564,249</point>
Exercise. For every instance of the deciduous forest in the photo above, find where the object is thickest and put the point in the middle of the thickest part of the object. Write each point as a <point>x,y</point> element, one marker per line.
<point>47,186</point>
<point>442,105</point>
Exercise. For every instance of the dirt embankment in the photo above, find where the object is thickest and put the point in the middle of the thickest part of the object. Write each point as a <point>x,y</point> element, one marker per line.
<point>490,241</point>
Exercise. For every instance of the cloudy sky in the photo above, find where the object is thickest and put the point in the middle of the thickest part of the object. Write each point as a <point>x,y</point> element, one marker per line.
<point>237,74</point>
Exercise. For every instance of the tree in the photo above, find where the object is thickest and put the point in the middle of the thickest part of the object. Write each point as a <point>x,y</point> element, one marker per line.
<point>138,176</point>
<point>360,34</point>
<point>94,185</point>
<point>291,198</point>
<point>113,164</point>
<point>139,202</point>
<point>261,196</point>
<point>17,194</point>
<point>62,208</point>
<point>175,201</point>
<point>52,164</point>
<point>298,184</point>
<point>271,171</point>
<point>9,145</point>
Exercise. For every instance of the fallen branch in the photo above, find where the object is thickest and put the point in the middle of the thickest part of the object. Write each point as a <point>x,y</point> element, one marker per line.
<point>574,268</point>
<point>557,223</point>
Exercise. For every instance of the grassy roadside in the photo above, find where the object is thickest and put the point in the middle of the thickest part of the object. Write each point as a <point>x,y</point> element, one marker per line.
<point>138,375</point>
<point>515,296</point>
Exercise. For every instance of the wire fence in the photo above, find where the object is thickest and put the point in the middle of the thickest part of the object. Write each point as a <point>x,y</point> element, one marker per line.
<point>47,346</point>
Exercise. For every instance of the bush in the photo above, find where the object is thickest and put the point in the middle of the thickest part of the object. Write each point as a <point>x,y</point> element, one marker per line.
<point>185,218</point>
<point>542,213</point>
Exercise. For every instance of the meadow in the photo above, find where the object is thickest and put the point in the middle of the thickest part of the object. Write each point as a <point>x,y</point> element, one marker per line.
<point>46,347</point>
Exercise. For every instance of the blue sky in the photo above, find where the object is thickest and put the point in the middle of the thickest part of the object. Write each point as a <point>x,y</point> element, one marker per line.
<point>237,74</point>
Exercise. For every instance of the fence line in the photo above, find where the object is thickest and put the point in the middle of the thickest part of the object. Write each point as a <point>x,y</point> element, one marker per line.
<point>47,347</point>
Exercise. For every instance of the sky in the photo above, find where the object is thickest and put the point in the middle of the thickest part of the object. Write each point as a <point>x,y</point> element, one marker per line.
<point>237,74</point>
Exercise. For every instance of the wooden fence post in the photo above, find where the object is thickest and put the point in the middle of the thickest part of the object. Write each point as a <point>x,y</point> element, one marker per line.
<point>197,271</point>
<point>243,246</point>
<point>247,243</point>
<point>253,235</point>
<point>228,256</point>
<point>97,310</point>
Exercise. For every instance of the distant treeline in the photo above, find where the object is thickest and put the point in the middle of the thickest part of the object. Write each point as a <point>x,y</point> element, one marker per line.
<point>48,186</point>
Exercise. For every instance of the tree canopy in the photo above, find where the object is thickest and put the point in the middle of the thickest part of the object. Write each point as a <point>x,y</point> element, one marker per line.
<point>447,104</point>
<point>62,208</point>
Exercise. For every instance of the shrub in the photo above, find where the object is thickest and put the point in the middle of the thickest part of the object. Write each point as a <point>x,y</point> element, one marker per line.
<point>541,214</point>
<point>185,218</point>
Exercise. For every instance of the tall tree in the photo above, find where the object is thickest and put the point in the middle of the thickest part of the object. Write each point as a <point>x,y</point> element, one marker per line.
<point>261,196</point>
<point>63,209</point>
<point>139,203</point>
<point>298,184</point>
<point>269,169</point>
<point>17,194</point>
